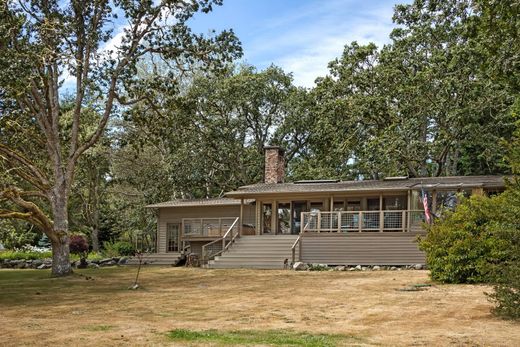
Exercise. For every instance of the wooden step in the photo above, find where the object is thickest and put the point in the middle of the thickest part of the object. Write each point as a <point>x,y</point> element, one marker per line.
<point>257,252</point>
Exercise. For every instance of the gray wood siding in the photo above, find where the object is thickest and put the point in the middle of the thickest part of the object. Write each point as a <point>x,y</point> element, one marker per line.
<point>176,214</point>
<point>362,249</point>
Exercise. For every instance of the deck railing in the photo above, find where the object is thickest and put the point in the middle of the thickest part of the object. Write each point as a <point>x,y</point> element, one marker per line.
<point>361,221</point>
<point>206,227</point>
<point>212,249</point>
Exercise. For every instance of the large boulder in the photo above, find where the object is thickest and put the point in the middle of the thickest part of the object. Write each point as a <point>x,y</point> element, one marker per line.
<point>299,266</point>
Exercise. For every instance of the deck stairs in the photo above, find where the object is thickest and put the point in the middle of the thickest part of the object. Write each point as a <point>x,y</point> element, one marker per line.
<point>170,258</point>
<point>257,252</point>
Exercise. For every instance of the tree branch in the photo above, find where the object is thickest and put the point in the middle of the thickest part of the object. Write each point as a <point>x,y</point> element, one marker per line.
<point>12,155</point>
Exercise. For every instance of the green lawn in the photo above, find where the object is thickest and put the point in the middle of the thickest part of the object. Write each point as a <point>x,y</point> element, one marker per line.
<point>253,337</point>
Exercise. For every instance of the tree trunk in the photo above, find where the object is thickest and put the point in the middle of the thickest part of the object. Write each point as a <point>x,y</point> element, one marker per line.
<point>60,245</point>
<point>60,257</point>
<point>94,237</point>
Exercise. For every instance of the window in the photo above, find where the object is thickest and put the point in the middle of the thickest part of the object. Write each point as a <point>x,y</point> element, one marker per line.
<point>394,203</point>
<point>284,218</point>
<point>354,205</point>
<point>267,214</point>
<point>339,205</point>
<point>373,204</point>
<point>316,206</point>
<point>446,200</point>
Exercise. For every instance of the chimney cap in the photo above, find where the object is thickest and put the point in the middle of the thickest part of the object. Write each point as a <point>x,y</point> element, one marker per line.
<point>280,149</point>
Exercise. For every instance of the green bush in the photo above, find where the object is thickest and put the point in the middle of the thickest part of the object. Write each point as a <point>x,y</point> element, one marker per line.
<point>507,292</point>
<point>27,255</point>
<point>480,242</point>
<point>507,273</point>
<point>13,234</point>
<point>461,247</point>
<point>118,248</point>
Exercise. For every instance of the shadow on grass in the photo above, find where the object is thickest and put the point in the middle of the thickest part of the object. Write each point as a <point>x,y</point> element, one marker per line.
<point>267,337</point>
<point>37,286</point>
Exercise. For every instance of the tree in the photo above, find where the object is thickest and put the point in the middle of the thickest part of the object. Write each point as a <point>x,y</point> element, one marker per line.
<point>210,139</point>
<point>425,104</point>
<point>43,41</point>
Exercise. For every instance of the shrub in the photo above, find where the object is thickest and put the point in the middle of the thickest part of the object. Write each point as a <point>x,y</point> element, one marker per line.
<point>24,254</point>
<point>460,247</point>
<point>124,248</point>
<point>14,235</point>
<point>507,288</point>
<point>79,245</point>
<point>507,292</point>
<point>480,242</point>
<point>114,249</point>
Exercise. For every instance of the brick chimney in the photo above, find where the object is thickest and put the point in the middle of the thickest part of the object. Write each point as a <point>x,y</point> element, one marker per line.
<point>274,164</point>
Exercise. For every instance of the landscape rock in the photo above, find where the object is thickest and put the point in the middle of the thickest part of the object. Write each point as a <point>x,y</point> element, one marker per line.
<point>103,261</point>
<point>358,268</point>
<point>393,268</point>
<point>376,268</point>
<point>122,261</point>
<point>339,268</point>
<point>299,266</point>
<point>418,266</point>
<point>108,263</point>
<point>93,265</point>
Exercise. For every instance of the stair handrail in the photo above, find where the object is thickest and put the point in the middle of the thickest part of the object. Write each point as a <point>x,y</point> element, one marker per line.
<point>293,248</point>
<point>206,256</point>
<point>298,240</point>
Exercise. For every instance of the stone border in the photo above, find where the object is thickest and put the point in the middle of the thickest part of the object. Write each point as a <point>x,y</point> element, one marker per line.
<point>47,263</point>
<point>300,266</point>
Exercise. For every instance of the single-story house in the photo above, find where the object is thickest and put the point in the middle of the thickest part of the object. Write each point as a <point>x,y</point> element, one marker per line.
<point>365,222</point>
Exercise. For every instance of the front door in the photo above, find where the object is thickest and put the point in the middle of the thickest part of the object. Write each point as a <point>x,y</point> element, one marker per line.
<point>172,237</point>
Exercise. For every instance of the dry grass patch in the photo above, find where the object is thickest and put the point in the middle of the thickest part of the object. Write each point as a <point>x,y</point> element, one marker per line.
<point>343,308</point>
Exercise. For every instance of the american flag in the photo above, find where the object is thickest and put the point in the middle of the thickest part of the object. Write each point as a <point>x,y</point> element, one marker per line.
<point>427,213</point>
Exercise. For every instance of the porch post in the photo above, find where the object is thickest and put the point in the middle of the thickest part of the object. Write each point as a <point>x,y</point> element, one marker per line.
<point>258,217</point>
<point>241,221</point>
<point>381,214</point>
<point>434,201</point>
<point>409,213</point>
<point>274,218</point>
<point>157,231</point>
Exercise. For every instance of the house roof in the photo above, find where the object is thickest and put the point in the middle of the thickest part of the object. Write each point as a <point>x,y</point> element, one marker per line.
<point>199,202</point>
<point>389,184</point>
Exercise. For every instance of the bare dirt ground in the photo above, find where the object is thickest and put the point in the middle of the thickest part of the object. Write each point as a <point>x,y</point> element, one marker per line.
<point>36,310</point>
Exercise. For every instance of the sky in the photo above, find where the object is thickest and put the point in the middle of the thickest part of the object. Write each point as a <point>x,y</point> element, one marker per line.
<point>300,36</point>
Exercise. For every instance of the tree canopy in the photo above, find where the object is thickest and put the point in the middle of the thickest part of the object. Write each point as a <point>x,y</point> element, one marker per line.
<point>157,112</point>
